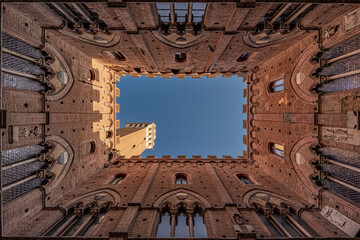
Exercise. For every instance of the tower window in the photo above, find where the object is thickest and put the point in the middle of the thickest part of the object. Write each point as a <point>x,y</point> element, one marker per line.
<point>116,55</point>
<point>277,149</point>
<point>91,75</point>
<point>181,179</point>
<point>118,178</point>
<point>244,179</point>
<point>277,86</point>
<point>180,57</point>
<point>108,134</point>
<point>243,57</point>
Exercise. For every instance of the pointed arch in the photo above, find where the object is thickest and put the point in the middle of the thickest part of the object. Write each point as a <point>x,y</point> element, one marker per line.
<point>195,195</point>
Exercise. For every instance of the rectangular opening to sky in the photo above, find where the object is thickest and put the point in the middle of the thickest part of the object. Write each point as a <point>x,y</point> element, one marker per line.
<point>193,116</point>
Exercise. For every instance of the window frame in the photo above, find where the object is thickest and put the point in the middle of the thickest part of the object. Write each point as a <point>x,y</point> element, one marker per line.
<point>272,85</point>
<point>174,220</point>
<point>244,57</point>
<point>182,175</point>
<point>121,177</point>
<point>181,59</point>
<point>238,175</point>
<point>272,146</point>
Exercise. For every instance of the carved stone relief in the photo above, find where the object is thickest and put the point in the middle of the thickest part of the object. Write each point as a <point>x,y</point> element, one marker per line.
<point>342,135</point>
<point>340,220</point>
<point>351,20</point>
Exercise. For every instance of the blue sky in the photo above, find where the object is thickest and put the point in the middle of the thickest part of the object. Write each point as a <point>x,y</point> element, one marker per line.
<point>192,116</point>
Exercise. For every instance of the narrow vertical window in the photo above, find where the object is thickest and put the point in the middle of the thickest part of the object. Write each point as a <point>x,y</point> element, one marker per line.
<point>164,12</point>
<point>199,224</point>
<point>118,178</point>
<point>244,179</point>
<point>181,179</point>
<point>164,228</point>
<point>277,86</point>
<point>198,10</point>
<point>182,225</point>
<point>277,149</point>
<point>108,134</point>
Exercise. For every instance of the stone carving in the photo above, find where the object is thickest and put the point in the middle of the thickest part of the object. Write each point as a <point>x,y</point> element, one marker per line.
<point>333,216</point>
<point>343,135</point>
<point>351,20</point>
<point>352,120</point>
<point>329,32</point>
<point>238,219</point>
<point>341,221</point>
<point>24,132</point>
<point>181,196</point>
<point>288,117</point>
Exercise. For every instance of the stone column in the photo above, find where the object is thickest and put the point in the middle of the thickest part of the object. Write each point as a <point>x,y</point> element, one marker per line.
<point>190,214</point>
<point>173,213</point>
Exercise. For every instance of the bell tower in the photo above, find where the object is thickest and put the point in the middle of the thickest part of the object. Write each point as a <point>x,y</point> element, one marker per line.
<point>134,138</point>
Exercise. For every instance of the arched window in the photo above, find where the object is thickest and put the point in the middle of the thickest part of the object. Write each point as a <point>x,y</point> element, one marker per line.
<point>92,75</point>
<point>116,55</point>
<point>164,227</point>
<point>199,224</point>
<point>87,148</point>
<point>244,179</point>
<point>182,223</point>
<point>243,57</point>
<point>21,168</point>
<point>181,179</point>
<point>118,178</point>
<point>277,86</point>
<point>78,222</point>
<point>277,149</point>
<point>288,225</point>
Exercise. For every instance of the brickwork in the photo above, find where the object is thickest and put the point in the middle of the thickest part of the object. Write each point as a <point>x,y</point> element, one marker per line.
<point>89,171</point>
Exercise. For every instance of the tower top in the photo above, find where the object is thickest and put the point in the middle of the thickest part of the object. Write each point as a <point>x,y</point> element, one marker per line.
<point>150,132</point>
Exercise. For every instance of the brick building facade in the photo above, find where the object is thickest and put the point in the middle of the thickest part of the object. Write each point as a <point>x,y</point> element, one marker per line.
<point>69,171</point>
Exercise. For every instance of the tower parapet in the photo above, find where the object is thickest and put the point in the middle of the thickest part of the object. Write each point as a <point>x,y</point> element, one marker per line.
<point>150,132</point>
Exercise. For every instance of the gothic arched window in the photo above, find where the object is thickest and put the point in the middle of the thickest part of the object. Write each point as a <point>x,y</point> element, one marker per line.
<point>182,223</point>
<point>277,86</point>
<point>277,149</point>
<point>181,179</point>
<point>78,222</point>
<point>199,224</point>
<point>164,227</point>
<point>281,221</point>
